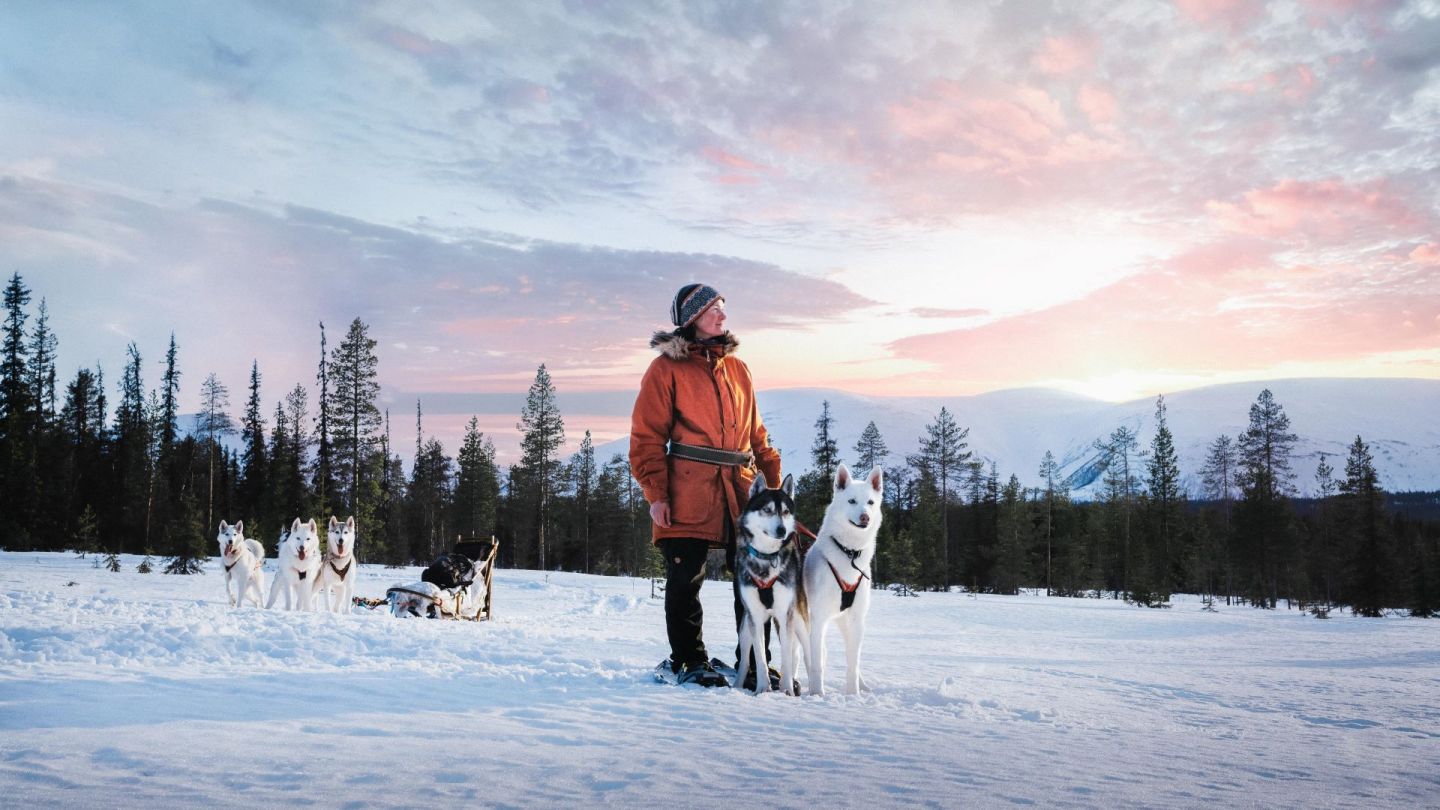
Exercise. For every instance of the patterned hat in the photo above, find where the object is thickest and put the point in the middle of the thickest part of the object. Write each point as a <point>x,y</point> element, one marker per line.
<point>691,302</point>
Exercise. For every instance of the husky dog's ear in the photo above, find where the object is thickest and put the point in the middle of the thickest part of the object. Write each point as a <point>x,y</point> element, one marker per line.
<point>295,527</point>
<point>314,529</point>
<point>758,485</point>
<point>334,521</point>
<point>877,479</point>
<point>788,486</point>
<point>224,525</point>
<point>350,522</point>
<point>239,527</point>
<point>842,476</point>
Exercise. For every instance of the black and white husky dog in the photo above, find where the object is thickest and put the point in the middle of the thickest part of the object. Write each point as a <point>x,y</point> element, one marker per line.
<point>768,578</point>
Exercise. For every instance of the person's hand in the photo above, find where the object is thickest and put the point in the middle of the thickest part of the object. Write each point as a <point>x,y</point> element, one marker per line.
<point>660,513</point>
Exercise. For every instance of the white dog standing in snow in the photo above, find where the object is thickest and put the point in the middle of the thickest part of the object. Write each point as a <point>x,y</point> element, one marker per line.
<point>299,565</point>
<point>242,558</point>
<point>335,584</point>
<point>838,573</point>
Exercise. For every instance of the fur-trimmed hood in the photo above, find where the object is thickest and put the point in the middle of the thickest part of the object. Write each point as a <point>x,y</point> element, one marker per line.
<point>677,347</point>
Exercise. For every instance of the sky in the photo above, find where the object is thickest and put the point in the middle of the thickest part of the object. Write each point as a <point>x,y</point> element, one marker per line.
<point>1113,198</point>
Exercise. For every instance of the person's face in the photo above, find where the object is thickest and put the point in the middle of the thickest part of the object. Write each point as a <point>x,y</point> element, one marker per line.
<point>712,322</point>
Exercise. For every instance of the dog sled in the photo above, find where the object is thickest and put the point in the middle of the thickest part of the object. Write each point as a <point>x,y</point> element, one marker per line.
<point>457,585</point>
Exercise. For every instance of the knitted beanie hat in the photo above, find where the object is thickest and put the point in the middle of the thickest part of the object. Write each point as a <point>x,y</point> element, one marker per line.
<point>691,302</point>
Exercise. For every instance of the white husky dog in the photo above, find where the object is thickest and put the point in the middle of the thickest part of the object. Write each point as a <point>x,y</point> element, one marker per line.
<point>299,564</point>
<point>242,558</point>
<point>837,573</point>
<point>335,584</point>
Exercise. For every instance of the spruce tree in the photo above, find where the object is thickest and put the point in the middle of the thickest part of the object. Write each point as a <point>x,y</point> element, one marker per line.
<point>18,419</point>
<point>1164,505</point>
<point>477,486</point>
<point>428,495</point>
<point>1012,539</point>
<point>1218,476</point>
<point>43,347</point>
<point>812,491</point>
<point>353,378</point>
<point>390,514</point>
<point>583,473</point>
<point>942,456</point>
<point>131,456</point>
<point>297,498</point>
<point>1263,532</point>
<point>1121,487</point>
<point>16,394</point>
<point>170,401</point>
<point>1371,564</point>
<point>543,433</point>
<point>189,556</point>
<point>1322,551</point>
<point>1055,499</point>
<point>87,532</point>
<point>323,480</point>
<point>214,423</point>
<point>870,450</point>
<point>255,458</point>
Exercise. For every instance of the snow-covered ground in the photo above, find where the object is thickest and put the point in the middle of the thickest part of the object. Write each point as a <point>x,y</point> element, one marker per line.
<point>130,690</point>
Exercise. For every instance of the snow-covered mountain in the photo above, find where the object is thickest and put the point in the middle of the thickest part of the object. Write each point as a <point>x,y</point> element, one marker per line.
<point>1398,418</point>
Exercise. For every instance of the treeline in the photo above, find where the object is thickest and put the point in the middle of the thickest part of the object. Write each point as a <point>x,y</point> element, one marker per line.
<point>953,520</point>
<point>77,473</point>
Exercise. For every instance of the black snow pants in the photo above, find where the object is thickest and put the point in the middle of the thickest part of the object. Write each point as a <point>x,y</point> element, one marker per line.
<point>685,566</point>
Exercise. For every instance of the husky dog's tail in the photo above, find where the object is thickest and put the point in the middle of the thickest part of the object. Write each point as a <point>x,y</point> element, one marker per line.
<point>802,605</point>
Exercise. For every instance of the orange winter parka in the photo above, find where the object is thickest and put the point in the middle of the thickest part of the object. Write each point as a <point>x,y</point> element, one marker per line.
<point>698,394</point>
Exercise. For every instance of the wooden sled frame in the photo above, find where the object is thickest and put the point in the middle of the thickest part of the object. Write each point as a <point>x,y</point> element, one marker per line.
<point>486,612</point>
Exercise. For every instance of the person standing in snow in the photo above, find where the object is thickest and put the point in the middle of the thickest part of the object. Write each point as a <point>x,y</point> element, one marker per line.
<point>696,440</point>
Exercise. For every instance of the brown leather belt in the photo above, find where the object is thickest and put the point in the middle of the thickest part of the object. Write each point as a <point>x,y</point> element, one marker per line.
<point>711,455</point>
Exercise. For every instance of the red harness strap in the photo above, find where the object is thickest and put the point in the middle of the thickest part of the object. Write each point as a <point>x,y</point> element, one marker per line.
<point>766,584</point>
<point>847,588</point>
<point>847,592</point>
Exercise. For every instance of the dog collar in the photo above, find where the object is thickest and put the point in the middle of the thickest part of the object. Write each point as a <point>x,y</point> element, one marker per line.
<point>767,557</point>
<point>852,553</point>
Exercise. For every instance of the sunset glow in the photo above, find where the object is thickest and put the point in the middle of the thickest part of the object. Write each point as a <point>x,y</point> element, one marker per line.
<point>1115,199</point>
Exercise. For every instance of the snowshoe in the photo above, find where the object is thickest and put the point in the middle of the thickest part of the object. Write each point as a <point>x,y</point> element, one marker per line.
<point>704,674</point>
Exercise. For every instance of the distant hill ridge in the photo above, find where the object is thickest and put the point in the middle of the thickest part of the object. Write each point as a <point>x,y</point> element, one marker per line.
<point>1399,418</point>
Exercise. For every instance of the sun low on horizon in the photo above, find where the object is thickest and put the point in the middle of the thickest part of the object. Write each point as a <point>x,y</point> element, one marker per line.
<point>1111,199</point>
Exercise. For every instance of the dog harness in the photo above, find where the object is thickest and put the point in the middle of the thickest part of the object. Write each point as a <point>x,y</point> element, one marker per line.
<point>766,587</point>
<point>337,571</point>
<point>232,565</point>
<point>847,591</point>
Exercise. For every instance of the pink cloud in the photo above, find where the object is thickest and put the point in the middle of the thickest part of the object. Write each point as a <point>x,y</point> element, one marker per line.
<point>1326,210</point>
<point>1239,314</point>
<point>729,159</point>
<point>1004,130</point>
<point>1097,103</point>
<point>735,169</point>
<point>1062,55</point>
<point>1428,253</point>
<point>1233,15</point>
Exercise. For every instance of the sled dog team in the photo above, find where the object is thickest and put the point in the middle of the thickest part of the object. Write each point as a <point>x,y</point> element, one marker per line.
<point>304,576</point>
<point>800,595</point>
